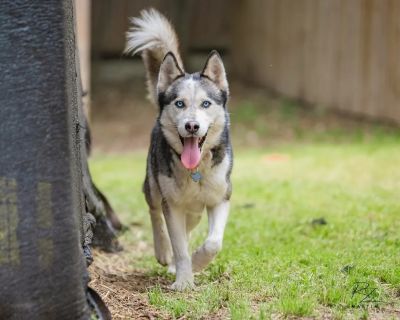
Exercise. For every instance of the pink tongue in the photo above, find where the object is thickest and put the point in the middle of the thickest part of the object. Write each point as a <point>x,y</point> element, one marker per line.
<point>190,156</point>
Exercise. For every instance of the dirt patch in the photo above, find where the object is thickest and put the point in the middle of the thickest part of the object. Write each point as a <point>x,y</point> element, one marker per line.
<point>123,289</point>
<point>121,116</point>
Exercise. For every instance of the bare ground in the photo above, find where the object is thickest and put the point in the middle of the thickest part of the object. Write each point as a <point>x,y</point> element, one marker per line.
<point>124,290</point>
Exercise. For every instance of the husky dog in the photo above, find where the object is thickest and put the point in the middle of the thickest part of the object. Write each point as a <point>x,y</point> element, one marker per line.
<point>190,157</point>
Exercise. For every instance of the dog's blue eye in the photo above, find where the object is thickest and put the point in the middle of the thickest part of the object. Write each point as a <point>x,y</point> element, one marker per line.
<point>180,104</point>
<point>206,104</point>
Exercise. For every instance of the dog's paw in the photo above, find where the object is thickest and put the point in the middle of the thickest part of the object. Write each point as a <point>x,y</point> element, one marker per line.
<point>163,250</point>
<point>163,255</point>
<point>182,285</point>
<point>205,254</point>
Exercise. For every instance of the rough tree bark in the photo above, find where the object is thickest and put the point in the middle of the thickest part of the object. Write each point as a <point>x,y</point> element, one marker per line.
<point>48,203</point>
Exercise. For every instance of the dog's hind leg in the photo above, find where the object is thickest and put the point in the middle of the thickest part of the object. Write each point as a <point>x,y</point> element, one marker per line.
<point>176,223</point>
<point>192,220</point>
<point>217,217</point>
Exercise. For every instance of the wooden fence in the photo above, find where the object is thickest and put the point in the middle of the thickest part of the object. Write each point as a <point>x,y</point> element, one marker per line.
<point>337,54</point>
<point>200,24</point>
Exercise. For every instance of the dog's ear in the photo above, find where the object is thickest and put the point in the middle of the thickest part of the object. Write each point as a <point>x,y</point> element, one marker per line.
<point>169,71</point>
<point>215,71</point>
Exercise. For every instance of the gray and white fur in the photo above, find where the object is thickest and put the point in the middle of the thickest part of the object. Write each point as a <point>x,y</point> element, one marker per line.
<point>191,133</point>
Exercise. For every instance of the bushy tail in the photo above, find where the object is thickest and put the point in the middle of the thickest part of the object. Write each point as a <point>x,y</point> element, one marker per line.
<point>153,36</point>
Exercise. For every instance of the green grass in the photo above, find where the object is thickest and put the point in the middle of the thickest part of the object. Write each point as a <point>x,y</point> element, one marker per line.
<point>275,260</point>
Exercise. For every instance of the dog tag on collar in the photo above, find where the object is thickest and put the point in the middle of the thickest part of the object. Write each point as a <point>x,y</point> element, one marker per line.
<point>196,176</point>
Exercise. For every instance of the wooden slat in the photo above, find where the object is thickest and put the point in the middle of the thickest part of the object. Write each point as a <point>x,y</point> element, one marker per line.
<point>83,14</point>
<point>208,23</point>
<point>339,54</point>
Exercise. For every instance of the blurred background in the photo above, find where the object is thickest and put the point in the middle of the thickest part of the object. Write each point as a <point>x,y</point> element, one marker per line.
<point>297,69</point>
<point>315,114</point>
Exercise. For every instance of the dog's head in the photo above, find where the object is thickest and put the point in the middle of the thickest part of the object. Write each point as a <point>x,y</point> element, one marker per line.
<point>192,107</point>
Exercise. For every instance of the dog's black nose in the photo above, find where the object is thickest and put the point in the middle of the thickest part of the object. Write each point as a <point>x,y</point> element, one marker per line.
<point>192,126</point>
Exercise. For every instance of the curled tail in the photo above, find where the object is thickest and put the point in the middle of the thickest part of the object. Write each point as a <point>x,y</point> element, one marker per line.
<point>153,36</point>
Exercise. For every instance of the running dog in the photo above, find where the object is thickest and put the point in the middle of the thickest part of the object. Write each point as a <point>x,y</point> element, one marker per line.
<point>190,157</point>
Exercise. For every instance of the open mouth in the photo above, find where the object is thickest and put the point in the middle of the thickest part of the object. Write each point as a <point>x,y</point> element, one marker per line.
<point>191,153</point>
<point>200,140</point>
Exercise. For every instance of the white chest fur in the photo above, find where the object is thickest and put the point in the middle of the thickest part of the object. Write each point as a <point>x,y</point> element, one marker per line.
<point>181,191</point>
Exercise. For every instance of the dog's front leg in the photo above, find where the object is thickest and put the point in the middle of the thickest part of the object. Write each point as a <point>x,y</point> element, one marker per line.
<point>176,224</point>
<point>217,217</point>
<point>162,245</point>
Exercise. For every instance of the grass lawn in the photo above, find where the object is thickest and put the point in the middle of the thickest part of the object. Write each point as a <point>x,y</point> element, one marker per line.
<point>314,229</point>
